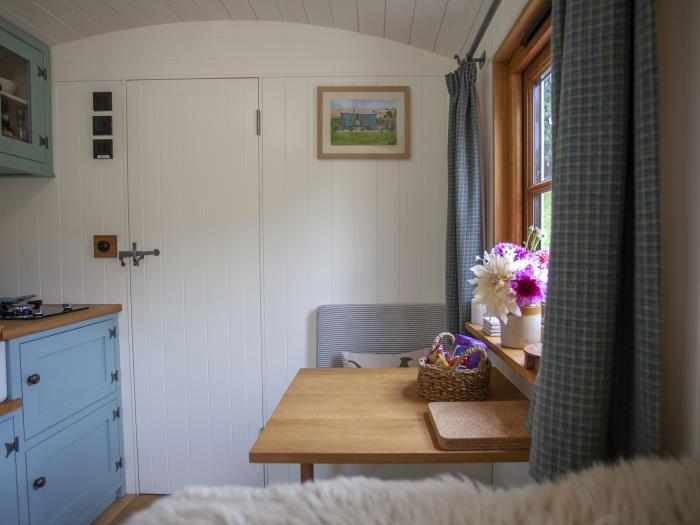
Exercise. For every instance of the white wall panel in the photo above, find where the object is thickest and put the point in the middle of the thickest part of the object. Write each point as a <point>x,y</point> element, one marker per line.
<point>332,231</point>
<point>49,223</point>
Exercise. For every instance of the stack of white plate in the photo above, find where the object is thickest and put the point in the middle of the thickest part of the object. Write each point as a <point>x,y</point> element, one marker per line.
<point>492,326</point>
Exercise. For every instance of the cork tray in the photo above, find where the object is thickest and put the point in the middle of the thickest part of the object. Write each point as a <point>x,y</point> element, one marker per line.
<point>480,425</point>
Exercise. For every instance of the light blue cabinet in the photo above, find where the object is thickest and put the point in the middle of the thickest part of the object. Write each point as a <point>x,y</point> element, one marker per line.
<point>70,474</point>
<point>66,372</point>
<point>25,104</point>
<point>9,494</point>
<point>69,464</point>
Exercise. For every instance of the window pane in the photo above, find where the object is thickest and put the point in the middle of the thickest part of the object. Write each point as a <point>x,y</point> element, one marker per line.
<point>542,129</point>
<point>542,208</point>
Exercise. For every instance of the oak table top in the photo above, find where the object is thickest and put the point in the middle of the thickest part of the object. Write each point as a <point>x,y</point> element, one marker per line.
<point>368,415</point>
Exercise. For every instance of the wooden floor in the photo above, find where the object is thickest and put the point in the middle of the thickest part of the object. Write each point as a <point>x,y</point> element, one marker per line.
<point>122,509</point>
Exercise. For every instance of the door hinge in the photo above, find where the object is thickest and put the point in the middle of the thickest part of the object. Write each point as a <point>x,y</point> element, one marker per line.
<point>12,447</point>
<point>115,376</point>
<point>42,72</point>
<point>113,333</point>
<point>258,122</point>
<point>119,464</point>
<point>43,141</point>
<point>116,413</point>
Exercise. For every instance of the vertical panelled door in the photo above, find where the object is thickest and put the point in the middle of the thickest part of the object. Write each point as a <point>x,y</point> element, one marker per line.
<point>193,174</point>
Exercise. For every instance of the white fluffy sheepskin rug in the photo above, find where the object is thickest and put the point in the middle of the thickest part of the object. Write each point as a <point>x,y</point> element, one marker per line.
<point>637,493</point>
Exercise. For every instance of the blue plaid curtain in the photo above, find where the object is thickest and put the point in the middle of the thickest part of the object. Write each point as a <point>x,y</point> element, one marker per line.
<point>597,392</point>
<point>464,225</point>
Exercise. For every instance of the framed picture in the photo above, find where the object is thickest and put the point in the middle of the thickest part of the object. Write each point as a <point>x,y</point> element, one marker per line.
<point>363,122</point>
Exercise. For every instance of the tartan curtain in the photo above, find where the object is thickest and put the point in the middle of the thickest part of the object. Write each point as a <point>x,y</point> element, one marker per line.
<point>464,225</point>
<point>597,391</point>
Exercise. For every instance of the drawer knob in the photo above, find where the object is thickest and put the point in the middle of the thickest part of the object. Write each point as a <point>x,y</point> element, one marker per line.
<point>39,482</point>
<point>33,379</point>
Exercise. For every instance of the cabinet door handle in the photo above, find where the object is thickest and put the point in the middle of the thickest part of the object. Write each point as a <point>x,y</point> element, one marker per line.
<point>39,482</point>
<point>33,379</point>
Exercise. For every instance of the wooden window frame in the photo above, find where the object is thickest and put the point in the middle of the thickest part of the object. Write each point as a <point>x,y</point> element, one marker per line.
<point>509,66</point>
<point>532,74</point>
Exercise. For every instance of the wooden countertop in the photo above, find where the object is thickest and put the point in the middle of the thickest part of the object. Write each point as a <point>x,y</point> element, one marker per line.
<point>14,329</point>
<point>366,415</point>
<point>9,405</point>
<point>513,357</point>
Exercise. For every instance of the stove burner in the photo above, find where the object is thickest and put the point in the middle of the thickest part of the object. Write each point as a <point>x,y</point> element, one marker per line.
<point>21,308</point>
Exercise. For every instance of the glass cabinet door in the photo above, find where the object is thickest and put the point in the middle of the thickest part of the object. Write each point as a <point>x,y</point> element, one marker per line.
<point>15,96</point>
<point>23,79</point>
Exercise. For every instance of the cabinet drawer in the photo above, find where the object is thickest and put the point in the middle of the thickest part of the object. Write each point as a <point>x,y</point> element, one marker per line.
<point>9,501</point>
<point>69,472</point>
<point>65,373</point>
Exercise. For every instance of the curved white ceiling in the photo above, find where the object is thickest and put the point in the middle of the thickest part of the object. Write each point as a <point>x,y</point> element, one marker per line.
<point>443,26</point>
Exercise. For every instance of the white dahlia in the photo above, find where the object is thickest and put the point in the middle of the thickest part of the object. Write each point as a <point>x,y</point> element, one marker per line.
<point>493,285</point>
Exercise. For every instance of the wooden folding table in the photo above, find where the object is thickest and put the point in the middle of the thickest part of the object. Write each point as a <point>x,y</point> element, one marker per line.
<point>368,415</point>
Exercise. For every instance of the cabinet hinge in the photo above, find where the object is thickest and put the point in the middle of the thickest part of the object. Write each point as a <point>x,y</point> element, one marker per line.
<point>258,122</point>
<point>12,447</point>
<point>113,333</point>
<point>42,72</point>
<point>119,464</point>
<point>115,376</point>
<point>43,141</point>
<point>116,413</point>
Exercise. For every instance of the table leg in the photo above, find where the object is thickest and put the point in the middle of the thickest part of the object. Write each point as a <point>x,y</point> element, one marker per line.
<point>307,472</point>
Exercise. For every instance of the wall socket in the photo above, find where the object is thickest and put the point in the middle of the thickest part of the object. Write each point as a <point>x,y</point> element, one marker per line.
<point>104,246</point>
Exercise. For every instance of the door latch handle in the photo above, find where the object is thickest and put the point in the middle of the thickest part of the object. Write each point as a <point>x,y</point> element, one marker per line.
<point>136,255</point>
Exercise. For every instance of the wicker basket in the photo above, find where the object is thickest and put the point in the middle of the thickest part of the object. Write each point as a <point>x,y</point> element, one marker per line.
<point>436,383</point>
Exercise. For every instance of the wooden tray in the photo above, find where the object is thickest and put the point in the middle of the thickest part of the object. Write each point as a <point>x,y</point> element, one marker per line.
<point>480,425</point>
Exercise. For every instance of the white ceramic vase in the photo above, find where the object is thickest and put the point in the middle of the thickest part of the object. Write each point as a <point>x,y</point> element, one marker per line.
<point>521,331</point>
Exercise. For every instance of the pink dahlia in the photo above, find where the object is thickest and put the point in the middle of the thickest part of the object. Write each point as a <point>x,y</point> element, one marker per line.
<point>527,287</point>
<point>542,258</point>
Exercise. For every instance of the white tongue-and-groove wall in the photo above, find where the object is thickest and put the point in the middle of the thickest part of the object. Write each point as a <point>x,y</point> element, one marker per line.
<point>341,231</point>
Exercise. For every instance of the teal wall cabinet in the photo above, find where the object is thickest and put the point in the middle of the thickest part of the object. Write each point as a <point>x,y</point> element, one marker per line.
<point>25,104</point>
<point>68,464</point>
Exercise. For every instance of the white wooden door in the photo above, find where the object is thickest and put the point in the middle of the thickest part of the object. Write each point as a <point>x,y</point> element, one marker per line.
<point>194,194</point>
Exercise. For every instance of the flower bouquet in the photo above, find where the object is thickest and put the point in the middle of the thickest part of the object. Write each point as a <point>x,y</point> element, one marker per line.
<point>511,284</point>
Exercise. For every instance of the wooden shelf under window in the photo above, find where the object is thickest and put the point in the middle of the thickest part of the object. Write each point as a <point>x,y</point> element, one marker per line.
<point>13,97</point>
<point>513,357</point>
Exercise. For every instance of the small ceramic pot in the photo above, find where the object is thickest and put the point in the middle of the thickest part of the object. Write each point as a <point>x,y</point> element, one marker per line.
<point>477,313</point>
<point>521,331</point>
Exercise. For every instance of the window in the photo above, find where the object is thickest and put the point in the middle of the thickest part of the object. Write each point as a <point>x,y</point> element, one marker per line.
<point>522,127</point>
<point>537,145</point>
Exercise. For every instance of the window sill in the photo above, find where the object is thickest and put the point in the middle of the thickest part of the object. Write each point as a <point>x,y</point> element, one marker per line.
<point>512,357</point>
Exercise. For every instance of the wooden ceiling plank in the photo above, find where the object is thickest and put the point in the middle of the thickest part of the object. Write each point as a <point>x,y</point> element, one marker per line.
<point>26,26</point>
<point>72,16</point>
<point>239,9</point>
<point>370,15</point>
<point>399,19</point>
<point>266,9</point>
<point>213,9</point>
<point>187,10</point>
<point>42,20</point>
<point>318,12</point>
<point>133,12</point>
<point>345,14</point>
<point>459,20</point>
<point>103,14</point>
<point>160,11</point>
<point>426,24</point>
<point>293,11</point>
<point>474,30</point>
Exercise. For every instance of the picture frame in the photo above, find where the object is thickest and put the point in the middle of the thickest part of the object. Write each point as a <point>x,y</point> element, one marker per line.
<point>363,122</point>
